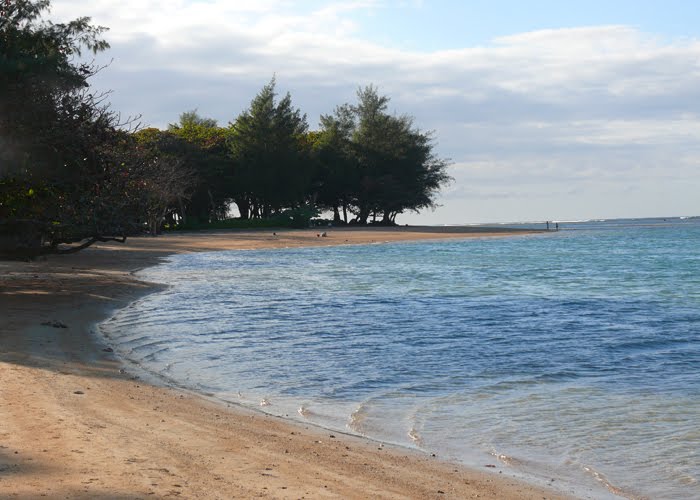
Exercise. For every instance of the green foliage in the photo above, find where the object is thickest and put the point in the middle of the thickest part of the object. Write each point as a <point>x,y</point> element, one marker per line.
<point>270,154</point>
<point>190,120</point>
<point>38,80</point>
<point>168,180</point>
<point>297,218</point>
<point>194,225</point>
<point>204,150</point>
<point>374,163</point>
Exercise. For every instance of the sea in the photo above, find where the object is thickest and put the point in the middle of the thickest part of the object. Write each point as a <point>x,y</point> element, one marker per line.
<point>568,358</point>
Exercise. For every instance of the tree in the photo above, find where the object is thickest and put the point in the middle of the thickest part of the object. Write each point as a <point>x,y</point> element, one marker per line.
<point>204,150</point>
<point>69,174</point>
<point>36,74</point>
<point>389,164</point>
<point>167,179</point>
<point>267,144</point>
<point>336,178</point>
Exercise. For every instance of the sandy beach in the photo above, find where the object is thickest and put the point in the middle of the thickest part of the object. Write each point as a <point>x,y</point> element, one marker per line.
<point>77,423</point>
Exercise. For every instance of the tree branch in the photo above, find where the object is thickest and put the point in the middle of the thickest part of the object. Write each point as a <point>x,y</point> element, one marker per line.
<point>82,246</point>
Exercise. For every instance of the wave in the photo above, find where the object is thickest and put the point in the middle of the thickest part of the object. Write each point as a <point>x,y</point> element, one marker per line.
<point>415,436</point>
<point>357,419</point>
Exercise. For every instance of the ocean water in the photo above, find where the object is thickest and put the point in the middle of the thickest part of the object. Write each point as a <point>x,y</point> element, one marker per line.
<point>572,355</point>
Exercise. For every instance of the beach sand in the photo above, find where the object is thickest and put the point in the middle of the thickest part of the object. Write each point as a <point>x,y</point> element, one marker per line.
<point>75,422</point>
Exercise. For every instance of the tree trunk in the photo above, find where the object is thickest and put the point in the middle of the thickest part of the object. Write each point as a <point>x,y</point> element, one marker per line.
<point>183,216</point>
<point>244,208</point>
<point>336,214</point>
<point>153,225</point>
<point>345,212</point>
<point>212,207</point>
<point>363,215</point>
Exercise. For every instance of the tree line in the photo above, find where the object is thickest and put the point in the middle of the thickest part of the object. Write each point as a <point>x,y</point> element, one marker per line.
<point>73,172</point>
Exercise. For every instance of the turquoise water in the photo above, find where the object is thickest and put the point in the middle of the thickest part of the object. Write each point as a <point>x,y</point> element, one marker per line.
<point>572,355</point>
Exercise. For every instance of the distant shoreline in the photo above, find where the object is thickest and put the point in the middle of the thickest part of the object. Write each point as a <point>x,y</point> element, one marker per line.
<point>78,424</point>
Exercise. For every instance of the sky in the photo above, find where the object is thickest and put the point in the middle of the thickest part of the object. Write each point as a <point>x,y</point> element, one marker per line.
<point>547,110</point>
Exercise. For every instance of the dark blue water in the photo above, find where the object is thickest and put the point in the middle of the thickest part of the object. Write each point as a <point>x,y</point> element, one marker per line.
<point>573,355</point>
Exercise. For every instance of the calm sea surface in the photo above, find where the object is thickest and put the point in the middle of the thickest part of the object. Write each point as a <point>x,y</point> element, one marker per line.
<point>572,355</point>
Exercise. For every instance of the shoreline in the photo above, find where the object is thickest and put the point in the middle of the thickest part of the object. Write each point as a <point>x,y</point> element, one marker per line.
<point>79,424</point>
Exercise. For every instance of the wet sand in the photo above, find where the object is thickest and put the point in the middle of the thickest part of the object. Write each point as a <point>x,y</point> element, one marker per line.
<point>75,422</point>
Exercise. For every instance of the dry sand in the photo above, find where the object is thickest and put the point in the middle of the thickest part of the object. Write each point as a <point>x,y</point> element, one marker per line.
<point>75,423</point>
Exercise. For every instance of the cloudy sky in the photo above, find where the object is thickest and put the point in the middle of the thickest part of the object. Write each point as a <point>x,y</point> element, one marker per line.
<point>548,109</point>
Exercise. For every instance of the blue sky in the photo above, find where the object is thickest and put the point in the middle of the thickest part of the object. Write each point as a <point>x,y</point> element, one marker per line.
<point>425,25</point>
<point>547,109</point>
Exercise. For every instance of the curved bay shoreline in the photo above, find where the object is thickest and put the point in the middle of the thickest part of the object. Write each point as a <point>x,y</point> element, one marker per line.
<point>74,422</point>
